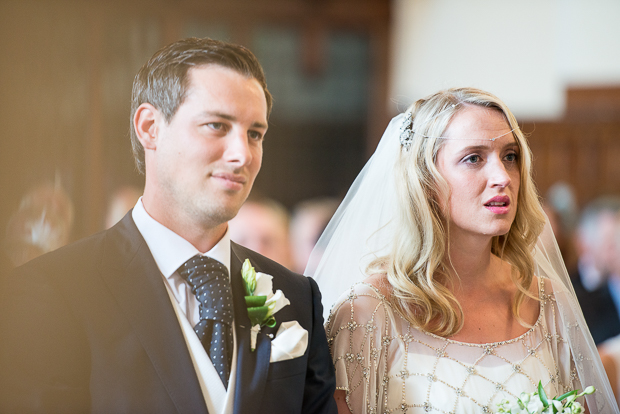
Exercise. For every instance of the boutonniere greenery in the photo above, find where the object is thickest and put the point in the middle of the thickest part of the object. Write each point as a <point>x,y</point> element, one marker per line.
<point>537,402</point>
<point>261,301</point>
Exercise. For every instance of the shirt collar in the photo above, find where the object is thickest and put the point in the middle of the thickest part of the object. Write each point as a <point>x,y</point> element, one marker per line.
<point>169,249</point>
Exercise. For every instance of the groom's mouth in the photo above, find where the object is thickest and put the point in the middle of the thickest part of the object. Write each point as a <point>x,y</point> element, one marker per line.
<point>230,180</point>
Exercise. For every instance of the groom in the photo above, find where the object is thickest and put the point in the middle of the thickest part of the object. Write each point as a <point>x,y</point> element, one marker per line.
<point>150,316</point>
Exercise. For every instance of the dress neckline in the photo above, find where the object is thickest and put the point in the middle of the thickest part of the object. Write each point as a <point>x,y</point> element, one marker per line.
<point>541,286</point>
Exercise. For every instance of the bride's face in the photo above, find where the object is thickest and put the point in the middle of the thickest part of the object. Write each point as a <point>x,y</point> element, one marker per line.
<point>483,174</point>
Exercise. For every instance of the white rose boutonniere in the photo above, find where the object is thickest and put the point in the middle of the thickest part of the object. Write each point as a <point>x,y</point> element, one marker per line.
<point>261,301</point>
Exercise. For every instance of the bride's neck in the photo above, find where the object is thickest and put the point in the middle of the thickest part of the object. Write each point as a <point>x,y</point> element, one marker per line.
<point>471,264</point>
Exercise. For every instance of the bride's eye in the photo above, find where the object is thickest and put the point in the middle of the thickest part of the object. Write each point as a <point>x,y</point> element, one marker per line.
<point>512,157</point>
<point>473,159</point>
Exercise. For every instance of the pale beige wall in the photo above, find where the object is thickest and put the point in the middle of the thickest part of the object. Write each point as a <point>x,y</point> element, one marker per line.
<point>527,52</point>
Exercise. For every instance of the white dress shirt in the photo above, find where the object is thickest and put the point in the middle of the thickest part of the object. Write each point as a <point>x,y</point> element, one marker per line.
<point>170,251</point>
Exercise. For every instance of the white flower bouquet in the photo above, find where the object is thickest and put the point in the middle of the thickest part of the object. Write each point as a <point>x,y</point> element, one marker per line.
<point>537,402</point>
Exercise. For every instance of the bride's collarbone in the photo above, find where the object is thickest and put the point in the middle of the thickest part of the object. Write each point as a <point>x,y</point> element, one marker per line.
<point>488,321</point>
<point>488,325</point>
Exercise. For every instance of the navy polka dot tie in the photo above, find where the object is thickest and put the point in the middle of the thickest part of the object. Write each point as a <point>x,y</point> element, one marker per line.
<point>209,281</point>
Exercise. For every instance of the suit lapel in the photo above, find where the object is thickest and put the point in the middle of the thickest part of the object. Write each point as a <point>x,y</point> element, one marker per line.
<point>134,279</point>
<point>252,367</point>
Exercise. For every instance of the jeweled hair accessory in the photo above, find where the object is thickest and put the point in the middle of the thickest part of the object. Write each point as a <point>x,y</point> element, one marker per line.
<point>482,139</point>
<point>406,132</point>
<point>406,129</point>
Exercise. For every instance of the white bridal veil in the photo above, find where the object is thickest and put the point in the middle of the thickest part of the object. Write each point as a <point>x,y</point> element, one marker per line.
<point>362,230</point>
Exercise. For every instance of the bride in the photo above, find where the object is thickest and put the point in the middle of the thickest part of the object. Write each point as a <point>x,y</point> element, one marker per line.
<point>464,300</point>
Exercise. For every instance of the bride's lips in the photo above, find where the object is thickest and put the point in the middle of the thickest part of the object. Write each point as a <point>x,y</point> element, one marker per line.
<point>230,180</point>
<point>498,204</point>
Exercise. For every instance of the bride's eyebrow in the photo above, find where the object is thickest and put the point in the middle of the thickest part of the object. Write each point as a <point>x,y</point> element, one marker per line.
<point>472,148</point>
<point>486,147</point>
<point>511,144</point>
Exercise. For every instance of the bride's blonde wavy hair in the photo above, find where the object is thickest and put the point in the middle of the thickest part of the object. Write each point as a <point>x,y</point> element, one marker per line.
<point>417,264</point>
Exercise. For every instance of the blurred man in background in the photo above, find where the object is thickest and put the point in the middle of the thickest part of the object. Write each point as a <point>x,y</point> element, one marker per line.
<point>594,279</point>
<point>310,217</point>
<point>560,205</point>
<point>610,349</point>
<point>120,202</point>
<point>41,224</point>
<point>262,225</point>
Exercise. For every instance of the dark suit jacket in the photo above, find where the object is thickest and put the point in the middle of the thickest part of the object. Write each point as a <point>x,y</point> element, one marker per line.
<point>599,310</point>
<point>90,328</point>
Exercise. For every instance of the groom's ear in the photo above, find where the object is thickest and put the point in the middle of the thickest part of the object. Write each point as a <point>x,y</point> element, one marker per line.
<point>146,122</point>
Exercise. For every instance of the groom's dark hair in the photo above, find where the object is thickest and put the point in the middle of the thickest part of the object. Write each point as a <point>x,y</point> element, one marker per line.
<point>163,81</point>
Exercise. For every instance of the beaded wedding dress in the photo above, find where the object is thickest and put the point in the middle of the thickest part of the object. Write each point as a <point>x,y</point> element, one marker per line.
<point>386,365</point>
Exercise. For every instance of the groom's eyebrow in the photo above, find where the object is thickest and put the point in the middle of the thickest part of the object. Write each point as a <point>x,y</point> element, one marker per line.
<point>232,118</point>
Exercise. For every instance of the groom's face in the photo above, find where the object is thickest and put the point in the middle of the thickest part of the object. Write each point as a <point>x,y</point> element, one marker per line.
<point>210,152</point>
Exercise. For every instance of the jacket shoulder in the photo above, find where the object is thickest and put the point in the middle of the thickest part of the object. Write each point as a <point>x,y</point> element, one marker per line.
<point>87,249</point>
<point>265,265</point>
<point>258,260</point>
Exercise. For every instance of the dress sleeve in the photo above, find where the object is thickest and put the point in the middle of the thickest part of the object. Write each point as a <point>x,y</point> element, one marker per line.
<point>559,333</point>
<point>358,332</point>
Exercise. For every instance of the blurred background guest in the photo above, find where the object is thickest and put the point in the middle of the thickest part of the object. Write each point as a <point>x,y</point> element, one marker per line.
<point>307,224</point>
<point>560,205</point>
<point>42,223</point>
<point>610,349</point>
<point>262,225</point>
<point>593,279</point>
<point>121,201</point>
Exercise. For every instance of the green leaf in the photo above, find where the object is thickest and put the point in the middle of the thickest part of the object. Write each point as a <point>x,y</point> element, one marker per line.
<point>271,322</point>
<point>542,395</point>
<point>255,301</point>
<point>257,314</point>
<point>563,396</point>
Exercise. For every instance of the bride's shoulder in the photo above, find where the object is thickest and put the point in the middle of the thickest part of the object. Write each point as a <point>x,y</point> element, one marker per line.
<point>379,283</point>
<point>364,299</point>
<point>375,288</point>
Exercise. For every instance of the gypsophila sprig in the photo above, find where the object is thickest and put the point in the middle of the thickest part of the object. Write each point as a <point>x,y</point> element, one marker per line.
<point>261,301</point>
<point>537,402</point>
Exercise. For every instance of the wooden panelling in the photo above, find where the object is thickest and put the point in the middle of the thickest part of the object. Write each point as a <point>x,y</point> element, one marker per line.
<point>583,149</point>
<point>66,83</point>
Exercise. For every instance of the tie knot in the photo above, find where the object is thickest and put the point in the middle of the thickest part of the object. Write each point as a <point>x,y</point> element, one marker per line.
<point>210,283</point>
<point>202,269</point>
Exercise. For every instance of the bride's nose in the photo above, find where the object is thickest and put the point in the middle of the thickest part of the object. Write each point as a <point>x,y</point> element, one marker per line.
<point>498,174</point>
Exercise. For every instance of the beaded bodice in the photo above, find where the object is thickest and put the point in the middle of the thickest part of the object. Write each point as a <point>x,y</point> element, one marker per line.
<point>386,365</point>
